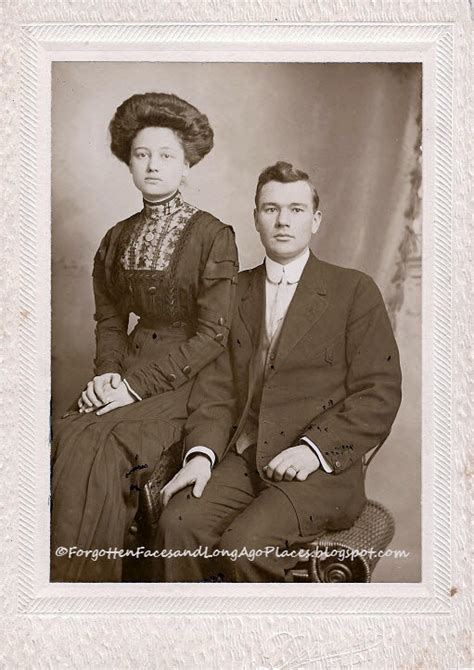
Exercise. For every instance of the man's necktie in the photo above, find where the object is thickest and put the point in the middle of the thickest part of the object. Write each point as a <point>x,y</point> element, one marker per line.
<point>279,305</point>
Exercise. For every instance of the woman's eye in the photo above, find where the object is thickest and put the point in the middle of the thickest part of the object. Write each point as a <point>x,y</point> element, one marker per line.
<point>166,156</point>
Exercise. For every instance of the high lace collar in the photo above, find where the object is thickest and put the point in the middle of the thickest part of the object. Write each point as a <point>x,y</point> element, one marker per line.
<point>156,210</point>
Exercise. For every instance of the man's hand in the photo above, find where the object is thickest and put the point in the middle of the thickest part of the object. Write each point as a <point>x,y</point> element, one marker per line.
<point>292,463</point>
<point>197,471</point>
<point>96,393</point>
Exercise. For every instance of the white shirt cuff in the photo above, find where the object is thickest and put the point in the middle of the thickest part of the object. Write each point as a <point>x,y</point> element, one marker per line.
<point>201,450</point>
<point>324,464</point>
<point>131,391</point>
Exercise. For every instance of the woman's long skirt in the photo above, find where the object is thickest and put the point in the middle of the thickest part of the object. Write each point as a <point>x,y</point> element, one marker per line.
<point>99,465</point>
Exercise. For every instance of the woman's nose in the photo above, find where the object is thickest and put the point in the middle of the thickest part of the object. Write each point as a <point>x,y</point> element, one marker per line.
<point>153,163</point>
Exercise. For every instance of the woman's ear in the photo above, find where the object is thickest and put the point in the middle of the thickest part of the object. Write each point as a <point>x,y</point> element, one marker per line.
<point>185,173</point>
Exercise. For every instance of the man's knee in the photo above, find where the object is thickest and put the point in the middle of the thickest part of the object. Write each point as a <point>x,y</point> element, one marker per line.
<point>183,518</point>
<point>175,519</point>
<point>249,534</point>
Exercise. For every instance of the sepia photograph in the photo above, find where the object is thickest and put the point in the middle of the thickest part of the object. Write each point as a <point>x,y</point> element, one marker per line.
<point>236,334</point>
<point>236,322</point>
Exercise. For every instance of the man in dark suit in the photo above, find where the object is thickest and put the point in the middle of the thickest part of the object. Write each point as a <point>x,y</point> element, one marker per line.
<point>280,423</point>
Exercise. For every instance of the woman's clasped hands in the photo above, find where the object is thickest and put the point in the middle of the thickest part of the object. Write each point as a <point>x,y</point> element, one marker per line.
<point>105,393</point>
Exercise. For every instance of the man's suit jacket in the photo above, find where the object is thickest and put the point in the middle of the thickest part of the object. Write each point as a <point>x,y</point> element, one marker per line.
<point>335,378</point>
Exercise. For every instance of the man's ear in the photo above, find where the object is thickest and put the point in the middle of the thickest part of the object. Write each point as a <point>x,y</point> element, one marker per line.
<point>317,216</point>
<point>255,218</point>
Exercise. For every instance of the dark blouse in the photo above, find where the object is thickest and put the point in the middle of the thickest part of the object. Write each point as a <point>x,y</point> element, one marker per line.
<point>176,268</point>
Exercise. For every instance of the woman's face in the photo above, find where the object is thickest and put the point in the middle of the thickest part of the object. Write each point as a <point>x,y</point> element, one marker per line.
<point>157,162</point>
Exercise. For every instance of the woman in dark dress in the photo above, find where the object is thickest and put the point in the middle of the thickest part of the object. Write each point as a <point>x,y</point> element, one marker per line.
<point>176,268</point>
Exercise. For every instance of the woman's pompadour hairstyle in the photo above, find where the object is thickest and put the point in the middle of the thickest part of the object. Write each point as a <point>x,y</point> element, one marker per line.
<point>164,110</point>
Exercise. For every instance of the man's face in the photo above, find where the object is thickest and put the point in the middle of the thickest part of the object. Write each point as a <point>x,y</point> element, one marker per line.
<point>285,219</point>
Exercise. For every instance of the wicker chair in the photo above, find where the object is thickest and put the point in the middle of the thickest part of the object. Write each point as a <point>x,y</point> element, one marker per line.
<point>142,529</point>
<point>358,546</point>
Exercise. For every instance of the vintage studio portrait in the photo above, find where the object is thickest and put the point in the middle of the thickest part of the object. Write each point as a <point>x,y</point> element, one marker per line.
<point>236,322</point>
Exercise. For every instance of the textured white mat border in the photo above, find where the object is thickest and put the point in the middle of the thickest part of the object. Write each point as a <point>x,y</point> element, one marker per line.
<point>431,44</point>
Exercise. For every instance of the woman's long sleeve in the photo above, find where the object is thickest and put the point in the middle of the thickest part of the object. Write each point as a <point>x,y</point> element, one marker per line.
<point>111,322</point>
<point>215,303</point>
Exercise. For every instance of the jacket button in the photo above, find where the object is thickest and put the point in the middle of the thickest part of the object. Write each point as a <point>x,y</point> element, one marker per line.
<point>176,324</point>
<point>272,357</point>
<point>187,369</point>
<point>337,464</point>
<point>133,529</point>
<point>171,377</point>
<point>219,337</point>
<point>221,321</point>
<point>152,290</point>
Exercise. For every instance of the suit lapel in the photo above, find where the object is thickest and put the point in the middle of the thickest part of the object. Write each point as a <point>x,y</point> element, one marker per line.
<point>306,308</point>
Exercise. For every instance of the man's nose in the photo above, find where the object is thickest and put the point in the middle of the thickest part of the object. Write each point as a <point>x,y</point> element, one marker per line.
<point>282,218</point>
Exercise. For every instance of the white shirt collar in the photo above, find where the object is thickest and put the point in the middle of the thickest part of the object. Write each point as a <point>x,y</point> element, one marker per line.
<point>293,270</point>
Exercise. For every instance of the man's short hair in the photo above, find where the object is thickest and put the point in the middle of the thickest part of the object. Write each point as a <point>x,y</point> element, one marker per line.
<point>285,173</point>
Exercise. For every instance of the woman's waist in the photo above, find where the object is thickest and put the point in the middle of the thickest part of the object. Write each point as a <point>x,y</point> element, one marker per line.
<point>150,327</point>
<point>150,340</point>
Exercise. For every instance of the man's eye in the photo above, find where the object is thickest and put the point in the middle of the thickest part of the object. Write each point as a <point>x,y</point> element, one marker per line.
<point>270,210</point>
<point>297,209</point>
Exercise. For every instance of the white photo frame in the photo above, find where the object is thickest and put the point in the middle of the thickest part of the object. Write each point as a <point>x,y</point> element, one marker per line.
<point>433,46</point>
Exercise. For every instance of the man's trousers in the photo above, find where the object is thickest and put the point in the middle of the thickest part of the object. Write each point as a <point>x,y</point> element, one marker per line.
<point>249,521</point>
